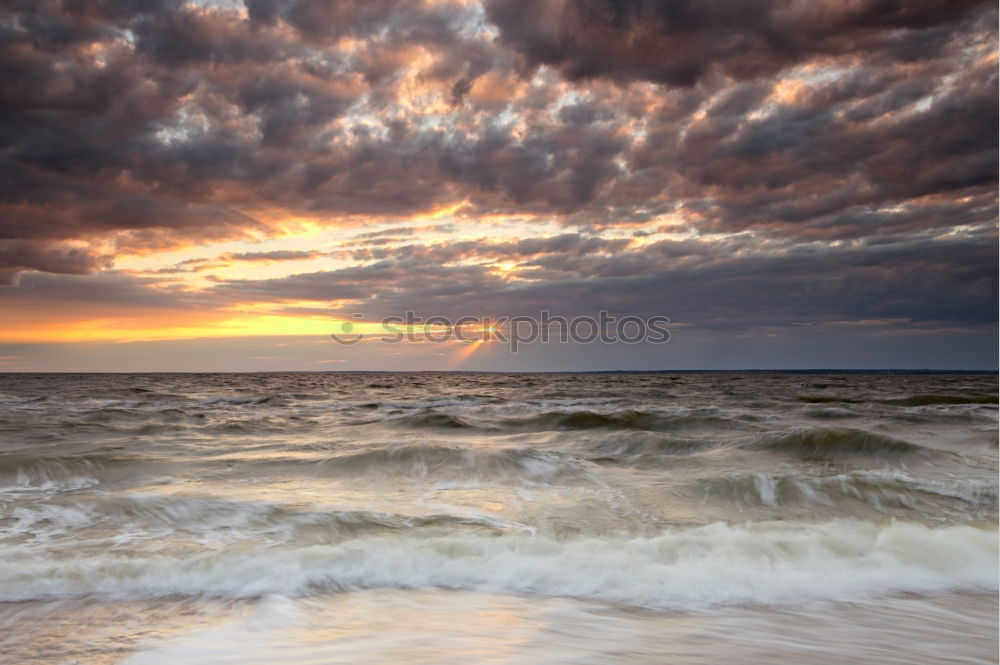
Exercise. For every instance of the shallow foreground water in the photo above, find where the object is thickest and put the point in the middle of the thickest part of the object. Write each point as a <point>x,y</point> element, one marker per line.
<point>496,518</point>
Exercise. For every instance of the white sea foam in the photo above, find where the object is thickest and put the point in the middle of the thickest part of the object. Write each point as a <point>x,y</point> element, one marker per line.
<point>698,568</point>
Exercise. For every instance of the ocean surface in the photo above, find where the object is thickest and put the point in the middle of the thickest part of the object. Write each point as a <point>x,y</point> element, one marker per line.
<point>498,518</point>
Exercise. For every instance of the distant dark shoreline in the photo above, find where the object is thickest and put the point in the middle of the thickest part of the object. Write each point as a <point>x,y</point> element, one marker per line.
<point>559,372</point>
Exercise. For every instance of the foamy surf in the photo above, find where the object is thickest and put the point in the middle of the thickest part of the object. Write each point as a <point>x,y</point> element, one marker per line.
<point>685,569</point>
<point>338,518</point>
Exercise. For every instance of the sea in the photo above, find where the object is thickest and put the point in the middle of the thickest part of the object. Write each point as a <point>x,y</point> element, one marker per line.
<point>488,518</point>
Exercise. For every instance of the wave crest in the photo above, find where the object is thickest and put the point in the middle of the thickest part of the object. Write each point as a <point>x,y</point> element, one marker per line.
<point>711,566</point>
<point>835,443</point>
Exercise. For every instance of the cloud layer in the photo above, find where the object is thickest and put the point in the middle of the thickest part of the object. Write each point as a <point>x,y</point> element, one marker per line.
<point>730,164</point>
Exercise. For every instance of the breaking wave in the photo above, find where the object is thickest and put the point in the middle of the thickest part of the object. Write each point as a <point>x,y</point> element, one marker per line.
<point>716,565</point>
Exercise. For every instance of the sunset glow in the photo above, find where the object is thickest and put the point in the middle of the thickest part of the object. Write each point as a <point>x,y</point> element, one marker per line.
<point>495,332</point>
<point>189,170</point>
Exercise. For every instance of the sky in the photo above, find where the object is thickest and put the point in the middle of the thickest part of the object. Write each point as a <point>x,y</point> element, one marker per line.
<point>219,186</point>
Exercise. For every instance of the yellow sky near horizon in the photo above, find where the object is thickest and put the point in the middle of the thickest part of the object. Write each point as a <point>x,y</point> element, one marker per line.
<point>186,272</point>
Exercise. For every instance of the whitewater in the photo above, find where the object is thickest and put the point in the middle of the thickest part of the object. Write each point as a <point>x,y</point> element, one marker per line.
<point>498,518</point>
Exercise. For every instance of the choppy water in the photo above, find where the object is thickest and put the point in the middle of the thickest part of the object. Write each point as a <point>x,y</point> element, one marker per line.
<point>492,518</point>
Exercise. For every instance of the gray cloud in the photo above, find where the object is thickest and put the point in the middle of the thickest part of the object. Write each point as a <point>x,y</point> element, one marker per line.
<point>678,43</point>
<point>848,149</point>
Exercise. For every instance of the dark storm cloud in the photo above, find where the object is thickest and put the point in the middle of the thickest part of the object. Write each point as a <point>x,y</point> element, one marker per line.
<point>856,143</point>
<point>733,283</point>
<point>109,289</point>
<point>835,162</point>
<point>679,42</point>
<point>19,255</point>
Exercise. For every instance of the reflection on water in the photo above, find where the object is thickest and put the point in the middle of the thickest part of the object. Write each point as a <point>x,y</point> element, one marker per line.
<point>442,627</point>
<point>436,627</point>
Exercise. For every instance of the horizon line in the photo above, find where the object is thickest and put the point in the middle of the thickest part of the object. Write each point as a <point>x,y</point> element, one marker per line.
<point>759,370</point>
